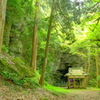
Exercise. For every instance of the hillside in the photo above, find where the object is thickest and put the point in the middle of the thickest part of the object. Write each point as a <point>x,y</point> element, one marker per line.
<point>17,82</point>
<point>16,93</point>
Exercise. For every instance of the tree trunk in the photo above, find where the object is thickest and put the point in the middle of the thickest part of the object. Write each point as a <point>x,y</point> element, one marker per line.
<point>7,34</point>
<point>2,20</point>
<point>88,63</point>
<point>34,45</point>
<point>89,58</point>
<point>85,64</point>
<point>97,65</point>
<point>41,82</point>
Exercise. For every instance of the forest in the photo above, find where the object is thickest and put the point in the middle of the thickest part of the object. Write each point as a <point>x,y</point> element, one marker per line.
<point>42,41</point>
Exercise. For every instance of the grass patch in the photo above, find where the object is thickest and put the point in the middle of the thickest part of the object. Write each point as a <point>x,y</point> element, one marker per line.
<point>95,88</point>
<point>56,89</point>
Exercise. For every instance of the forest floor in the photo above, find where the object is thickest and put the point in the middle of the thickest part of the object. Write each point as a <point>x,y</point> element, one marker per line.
<point>17,93</point>
<point>10,91</point>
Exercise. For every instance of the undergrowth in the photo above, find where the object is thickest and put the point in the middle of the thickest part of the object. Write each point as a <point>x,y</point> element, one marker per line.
<point>56,90</point>
<point>15,78</point>
<point>14,71</point>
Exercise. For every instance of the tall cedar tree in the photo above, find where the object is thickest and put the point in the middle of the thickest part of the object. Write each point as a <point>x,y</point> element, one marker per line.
<point>41,82</point>
<point>2,20</point>
<point>34,45</point>
<point>97,65</point>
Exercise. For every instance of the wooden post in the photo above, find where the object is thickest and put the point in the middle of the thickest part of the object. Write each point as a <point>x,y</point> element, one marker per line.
<point>68,82</point>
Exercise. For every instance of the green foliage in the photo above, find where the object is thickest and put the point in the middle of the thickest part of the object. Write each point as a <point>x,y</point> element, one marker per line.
<point>14,11</point>
<point>5,49</point>
<point>56,89</point>
<point>15,65</point>
<point>20,15</point>
<point>98,78</point>
<point>14,70</point>
<point>95,0</point>
<point>74,31</point>
<point>12,77</point>
<point>8,75</point>
<point>44,99</point>
<point>27,82</point>
<point>19,60</point>
<point>92,82</point>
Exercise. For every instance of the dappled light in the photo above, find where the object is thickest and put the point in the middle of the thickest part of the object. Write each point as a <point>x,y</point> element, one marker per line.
<point>49,50</point>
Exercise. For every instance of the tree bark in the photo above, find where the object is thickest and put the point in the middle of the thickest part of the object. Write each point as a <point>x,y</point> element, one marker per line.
<point>97,65</point>
<point>2,20</point>
<point>34,41</point>
<point>85,64</point>
<point>89,60</point>
<point>41,82</point>
<point>7,35</point>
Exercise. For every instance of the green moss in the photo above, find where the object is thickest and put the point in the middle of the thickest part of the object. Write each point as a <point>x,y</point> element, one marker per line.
<point>15,70</point>
<point>56,89</point>
<point>96,89</point>
<point>15,65</point>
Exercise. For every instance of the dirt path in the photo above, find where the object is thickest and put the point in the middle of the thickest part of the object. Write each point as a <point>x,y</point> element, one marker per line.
<point>42,94</point>
<point>84,95</point>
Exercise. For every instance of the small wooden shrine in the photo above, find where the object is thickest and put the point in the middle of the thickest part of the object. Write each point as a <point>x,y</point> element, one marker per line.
<point>77,78</point>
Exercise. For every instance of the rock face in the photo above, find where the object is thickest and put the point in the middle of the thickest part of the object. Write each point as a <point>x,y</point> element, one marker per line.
<point>16,48</point>
<point>68,61</point>
<point>60,80</point>
<point>64,71</point>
